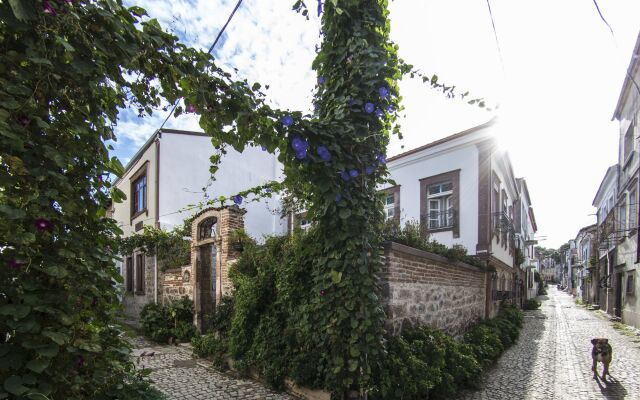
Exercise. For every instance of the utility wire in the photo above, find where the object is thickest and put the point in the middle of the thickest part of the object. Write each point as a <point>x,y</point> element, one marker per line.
<point>209,51</point>
<point>495,35</point>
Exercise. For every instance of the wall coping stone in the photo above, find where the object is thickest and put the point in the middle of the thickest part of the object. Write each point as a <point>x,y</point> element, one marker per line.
<point>401,248</point>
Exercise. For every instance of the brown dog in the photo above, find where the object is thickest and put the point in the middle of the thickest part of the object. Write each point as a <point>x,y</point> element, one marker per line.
<point>602,352</point>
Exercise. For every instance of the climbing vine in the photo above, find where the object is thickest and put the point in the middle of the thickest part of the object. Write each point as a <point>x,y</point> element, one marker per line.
<point>66,69</point>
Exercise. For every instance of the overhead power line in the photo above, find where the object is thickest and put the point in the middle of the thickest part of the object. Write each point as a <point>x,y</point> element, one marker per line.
<point>209,51</point>
<point>495,35</point>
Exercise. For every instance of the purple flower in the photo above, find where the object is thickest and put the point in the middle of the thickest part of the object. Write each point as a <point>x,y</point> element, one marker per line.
<point>24,121</point>
<point>345,176</point>
<point>369,107</point>
<point>300,155</point>
<point>350,102</point>
<point>324,154</point>
<point>383,92</point>
<point>69,2</point>
<point>338,197</point>
<point>390,109</point>
<point>381,159</point>
<point>319,7</point>
<point>237,199</point>
<point>321,80</point>
<point>298,144</point>
<point>317,49</point>
<point>47,8</point>
<point>190,108</point>
<point>353,173</point>
<point>287,120</point>
<point>13,263</point>
<point>42,224</point>
<point>263,148</point>
<point>369,170</point>
<point>322,292</point>
<point>379,113</point>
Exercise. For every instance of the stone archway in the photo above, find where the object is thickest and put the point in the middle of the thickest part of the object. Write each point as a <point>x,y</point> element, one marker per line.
<point>211,256</point>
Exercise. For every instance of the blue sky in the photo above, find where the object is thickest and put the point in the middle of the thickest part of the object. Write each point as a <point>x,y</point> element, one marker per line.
<point>557,81</point>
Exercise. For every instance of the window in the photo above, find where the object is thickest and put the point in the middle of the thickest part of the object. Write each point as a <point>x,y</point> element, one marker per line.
<point>628,143</point>
<point>440,205</point>
<point>129,274</point>
<point>140,195</point>
<point>633,208</point>
<point>140,273</point>
<point>630,282</point>
<point>391,203</point>
<point>439,202</point>
<point>495,207</point>
<point>623,217</point>
<point>389,207</point>
<point>503,219</point>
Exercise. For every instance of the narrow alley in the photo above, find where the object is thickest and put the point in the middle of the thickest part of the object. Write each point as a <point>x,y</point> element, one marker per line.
<point>552,358</point>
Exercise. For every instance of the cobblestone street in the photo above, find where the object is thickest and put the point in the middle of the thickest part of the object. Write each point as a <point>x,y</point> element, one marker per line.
<point>552,358</point>
<point>182,377</point>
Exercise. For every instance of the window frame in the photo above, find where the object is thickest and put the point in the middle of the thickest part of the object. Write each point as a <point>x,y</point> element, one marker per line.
<point>139,274</point>
<point>630,283</point>
<point>135,178</point>
<point>128,268</point>
<point>450,176</point>
<point>395,192</point>
<point>628,143</point>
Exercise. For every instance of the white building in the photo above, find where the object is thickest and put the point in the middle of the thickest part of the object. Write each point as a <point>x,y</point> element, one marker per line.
<point>463,188</point>
<point>167,176</point>
<point>526,228</point>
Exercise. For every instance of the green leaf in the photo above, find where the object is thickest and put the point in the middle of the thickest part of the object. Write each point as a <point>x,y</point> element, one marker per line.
<point>12,213</point>
<point>13,385</point>
<point>22,9</point>
<point>18,311</point>
<point>48,351</point>
<point>336,276</point>
<point>353,365</point>
<point>38,365</point>
<point>58,337</point>
<point>344,213</point>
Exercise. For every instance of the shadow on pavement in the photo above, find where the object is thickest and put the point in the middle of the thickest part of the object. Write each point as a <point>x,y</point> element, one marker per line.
<point>611,389</point>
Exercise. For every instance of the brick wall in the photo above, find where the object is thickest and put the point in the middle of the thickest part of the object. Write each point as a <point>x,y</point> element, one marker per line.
<point>421,288</point>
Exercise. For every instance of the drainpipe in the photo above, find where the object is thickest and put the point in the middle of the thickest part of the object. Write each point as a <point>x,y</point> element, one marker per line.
<point>155,274</point>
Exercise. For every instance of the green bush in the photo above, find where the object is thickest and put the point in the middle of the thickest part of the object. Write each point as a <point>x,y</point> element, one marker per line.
<point>210,346</point>
<point>531,304</point>
<point>160,323</point>
<point>485,343</point>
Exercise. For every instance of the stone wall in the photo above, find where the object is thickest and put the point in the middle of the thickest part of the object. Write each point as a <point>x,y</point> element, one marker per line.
<point>176,283</point>
<point>133,302</point>
<point>422,288</point>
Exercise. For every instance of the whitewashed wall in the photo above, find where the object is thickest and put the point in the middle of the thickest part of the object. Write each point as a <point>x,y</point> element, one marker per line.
<point>407,172</point>
<point>184,171</point>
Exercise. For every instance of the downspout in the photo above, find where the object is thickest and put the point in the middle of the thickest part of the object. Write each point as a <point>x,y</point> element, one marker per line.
<point>157,216</point>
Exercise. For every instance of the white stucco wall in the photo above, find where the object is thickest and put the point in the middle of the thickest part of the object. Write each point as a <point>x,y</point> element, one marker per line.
<point>407,172</point>
<point>184,171</point>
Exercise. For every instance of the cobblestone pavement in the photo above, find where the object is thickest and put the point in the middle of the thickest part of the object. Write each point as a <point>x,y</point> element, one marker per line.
<point>552,358</point>
<point>182,377</point>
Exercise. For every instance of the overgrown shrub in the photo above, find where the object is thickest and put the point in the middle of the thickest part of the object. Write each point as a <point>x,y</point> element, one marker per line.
<point>485,343</point>
<point>531,304</point>
<point>162,323</point>
<point>210,346</point>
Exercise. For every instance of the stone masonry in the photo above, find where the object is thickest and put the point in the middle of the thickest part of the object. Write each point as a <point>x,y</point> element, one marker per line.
<point>421,288</point>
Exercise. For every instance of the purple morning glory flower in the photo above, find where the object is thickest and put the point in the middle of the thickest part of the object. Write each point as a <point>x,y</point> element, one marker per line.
<point>390,109</point>
<point>190,108</point>
<point>324,154</point>
<point>300,155</point>
<point>287,120</point>
<point>321,80</point>
<point>47,8</point>
<point>369,170</point>
<point>338,197</point>
<point>263,148</point>
<point>42,224</point>
<point>379,113</point>
<point>369,107</point>
<point>322,292</point>
<point>345,176</point>
<point>381,159</point>
<point>237,199</point>
<point>383,92</point>
<point>353,173</point>
<point>317,49</point>
<point>14,264</point>
<point>24,121</point>
<point>298,144</point>
<point>319,7</point>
